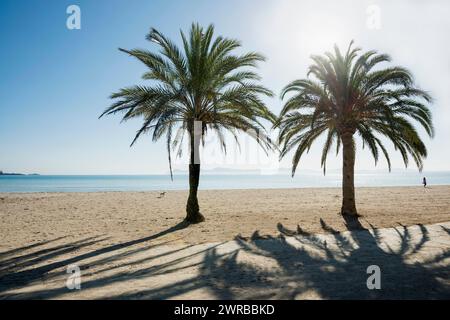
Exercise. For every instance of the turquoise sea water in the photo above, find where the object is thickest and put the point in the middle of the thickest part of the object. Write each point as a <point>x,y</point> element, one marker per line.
<point>92,183</point>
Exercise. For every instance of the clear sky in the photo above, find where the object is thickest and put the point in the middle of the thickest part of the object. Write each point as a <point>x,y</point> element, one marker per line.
<point>55,82</point>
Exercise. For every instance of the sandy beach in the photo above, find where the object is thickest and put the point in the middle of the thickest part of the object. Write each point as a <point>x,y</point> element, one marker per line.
<point>123,216</point>
<point>128,232</point>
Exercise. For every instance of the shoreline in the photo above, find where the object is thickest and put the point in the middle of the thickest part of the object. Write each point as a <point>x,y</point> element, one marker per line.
<point>138,183</point>
<point>227,189</point>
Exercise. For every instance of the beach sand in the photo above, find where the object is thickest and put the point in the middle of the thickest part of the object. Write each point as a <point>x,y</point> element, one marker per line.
<point>128,232</point>
<point>122,216</point>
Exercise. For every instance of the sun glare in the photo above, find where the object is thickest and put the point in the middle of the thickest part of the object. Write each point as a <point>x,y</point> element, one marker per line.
<point>303,28</point>
<point>320,33</point>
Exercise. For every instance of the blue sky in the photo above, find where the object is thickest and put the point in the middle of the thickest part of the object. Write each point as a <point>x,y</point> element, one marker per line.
<point>55,82</point>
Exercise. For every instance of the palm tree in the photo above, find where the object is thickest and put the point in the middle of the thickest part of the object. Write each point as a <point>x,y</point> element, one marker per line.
<point>203,86</point>
<point>351,94</point>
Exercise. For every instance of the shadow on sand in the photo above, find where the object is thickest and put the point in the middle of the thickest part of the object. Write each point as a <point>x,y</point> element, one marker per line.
<point>330,267</point>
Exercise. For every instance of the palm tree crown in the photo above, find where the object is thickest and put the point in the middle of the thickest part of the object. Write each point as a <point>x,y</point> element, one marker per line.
<point>351,94</point>
<point>204,81</point>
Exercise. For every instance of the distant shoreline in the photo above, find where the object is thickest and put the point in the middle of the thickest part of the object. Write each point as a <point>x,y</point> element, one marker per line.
<point>186,190</point>
<point>136,183</point>
<point>17,174</point>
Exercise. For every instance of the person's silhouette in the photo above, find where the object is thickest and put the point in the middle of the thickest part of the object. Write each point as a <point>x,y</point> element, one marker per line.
<point>424,182</point>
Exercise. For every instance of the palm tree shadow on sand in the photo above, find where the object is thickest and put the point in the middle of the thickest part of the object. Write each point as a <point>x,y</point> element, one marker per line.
<point>18,271</point>
<point>336,270</point>
<point>307,266</point>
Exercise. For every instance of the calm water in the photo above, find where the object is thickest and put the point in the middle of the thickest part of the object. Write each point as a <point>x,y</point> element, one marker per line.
<point>210,181</point>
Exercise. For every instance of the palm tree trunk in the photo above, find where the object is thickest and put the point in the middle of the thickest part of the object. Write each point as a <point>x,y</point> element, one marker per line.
<point>348,176</point>
<point>193,214</point>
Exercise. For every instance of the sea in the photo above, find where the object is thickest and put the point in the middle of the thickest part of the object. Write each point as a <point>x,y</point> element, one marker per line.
<point>213,181</point>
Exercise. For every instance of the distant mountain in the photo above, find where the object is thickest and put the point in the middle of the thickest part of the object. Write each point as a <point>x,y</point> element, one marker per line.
<point>287,170</point>
<point>223,170</point>
<point>16,174</point>
<point>10,174</point>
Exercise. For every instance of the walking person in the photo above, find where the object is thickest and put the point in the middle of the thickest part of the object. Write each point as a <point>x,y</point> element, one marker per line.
<point>424,182</point>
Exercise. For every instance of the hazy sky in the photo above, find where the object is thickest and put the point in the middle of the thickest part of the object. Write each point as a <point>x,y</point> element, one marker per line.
<point>55,82</point>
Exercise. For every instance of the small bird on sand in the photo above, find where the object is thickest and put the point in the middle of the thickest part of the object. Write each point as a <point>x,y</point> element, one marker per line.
<point>161,195</point>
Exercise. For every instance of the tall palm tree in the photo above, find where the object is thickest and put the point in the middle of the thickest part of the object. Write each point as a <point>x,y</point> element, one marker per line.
<point>203,86</point>
<point>351,94</point>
